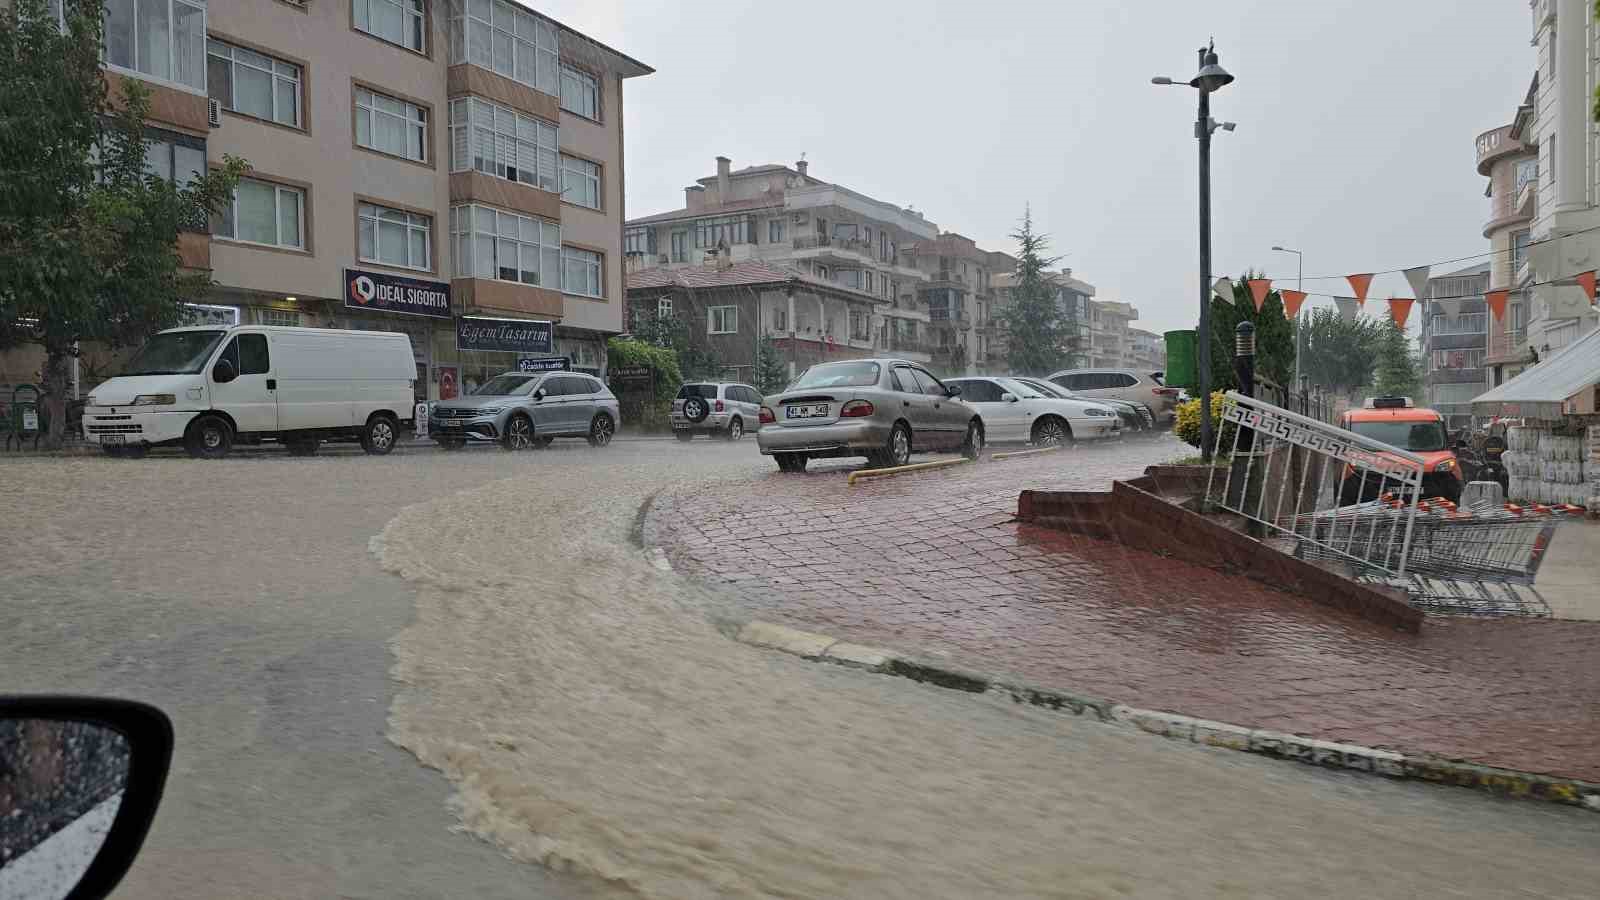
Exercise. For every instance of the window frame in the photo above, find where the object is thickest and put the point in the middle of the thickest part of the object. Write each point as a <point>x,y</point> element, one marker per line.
<point>595,268</point>
<point>709,231</point>
<point>775,230</point>
<point>412,109</point>
<point>499,142</point>
<point>421,17</point>
<point>301,195</point>
<point>596,178</point>
<point>663,307</point>
<point>679,244</point>
<point>588,81</point>
<point>377,218</point>
<point>463,18</point>
<point>467,239</point>
<point>727,314</point>
<point>230,104</point>
<point>264,313</point>
<point>133,70</point>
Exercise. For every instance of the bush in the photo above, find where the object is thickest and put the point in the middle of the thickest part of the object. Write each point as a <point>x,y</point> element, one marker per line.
<point>1187,426</point>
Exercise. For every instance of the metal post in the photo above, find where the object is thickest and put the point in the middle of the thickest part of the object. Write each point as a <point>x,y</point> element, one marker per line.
<point>1202,132</point>
<point>1299,285</point>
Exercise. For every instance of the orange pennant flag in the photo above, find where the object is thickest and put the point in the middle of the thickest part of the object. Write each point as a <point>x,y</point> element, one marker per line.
<point>1400,310</point>
<point>1291,302</point>
<point>1497,303</point>
<point>1586,281</point>
<point>1359,284</point>
<point>1259,289</point>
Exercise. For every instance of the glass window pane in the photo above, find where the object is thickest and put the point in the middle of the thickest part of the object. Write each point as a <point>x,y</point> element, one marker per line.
<point>288,102</point>
<point>386,20</point>
<point>479,41</point>
<point>118,26</point>
<point>502,53</point>
<point>219,76</point>
<point>525,63</point>
<point>251,58</point>
<point>483,257</point>
<point>189,45</point>
<point>364,127</point>
<point>257,212</point>
<point>530,265</point>
<point>547,72</point>
<point>506,260</point>
<point>530,231</point>
<point>253,356</point>
<point>252,92</point>
<point>480,9</point>
<point>368,249</point>
<point>508,226</point>
<point>417,147</point>
<point>153,40</point>
<point>391,243</point>
<point>188,164</point>
<point>419,248</point>
<point>158,159</point>
<point>550,265</point>
<point>289,218</point>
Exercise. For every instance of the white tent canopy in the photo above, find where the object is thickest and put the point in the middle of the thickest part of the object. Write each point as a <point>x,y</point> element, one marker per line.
<point>1540,392</point>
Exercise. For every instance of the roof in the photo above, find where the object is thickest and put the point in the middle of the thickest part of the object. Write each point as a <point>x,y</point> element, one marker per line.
<point>1402,414</point>
<point>732,206</point>
<point>751,273</point>
<point>1540,391</point>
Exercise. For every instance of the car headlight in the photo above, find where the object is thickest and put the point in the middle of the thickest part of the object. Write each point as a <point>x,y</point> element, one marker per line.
<point>154,400</point>
<point>1445,465</point>
<point>489,410</point>
<point>1098,411</point>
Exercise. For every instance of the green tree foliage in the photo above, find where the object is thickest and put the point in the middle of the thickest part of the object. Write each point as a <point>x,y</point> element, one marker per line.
<point>651,414</point>
<point>1036,333</point>
<point>696,360</point>
<point>1274,336</point>
<point>1339,355</point>
<point>771,374</point>
<point>1398,372</point>
<point>88,239</point>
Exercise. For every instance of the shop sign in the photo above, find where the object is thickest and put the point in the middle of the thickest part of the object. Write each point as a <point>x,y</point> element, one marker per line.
<point>544,364</point>
<point>396,294</point>
<point>505,335</point>
<point>209,314</point>
<point>632,374</point>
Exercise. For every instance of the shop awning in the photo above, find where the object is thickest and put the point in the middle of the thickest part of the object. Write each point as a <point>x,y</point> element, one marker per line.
<point>1540,392</point>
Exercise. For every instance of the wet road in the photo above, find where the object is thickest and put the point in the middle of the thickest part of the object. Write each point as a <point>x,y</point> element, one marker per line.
<point>588,717</point>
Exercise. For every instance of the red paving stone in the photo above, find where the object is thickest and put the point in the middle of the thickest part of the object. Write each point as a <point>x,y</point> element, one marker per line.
<point>932,564</point>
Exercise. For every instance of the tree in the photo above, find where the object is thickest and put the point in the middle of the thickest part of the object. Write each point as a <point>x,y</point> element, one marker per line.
<point>1339,354</point>
<point>1274,336</point>
<point>88,239</point>
<point>1036,334</point>
<point>695,360</point>
<point>1398,373</point>
<point>771,373</point>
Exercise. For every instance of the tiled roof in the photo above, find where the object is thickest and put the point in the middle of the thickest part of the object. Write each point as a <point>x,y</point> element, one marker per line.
<point>745,274</point>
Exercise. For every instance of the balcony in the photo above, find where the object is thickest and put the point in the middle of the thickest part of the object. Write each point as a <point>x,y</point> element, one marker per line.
<point>826,245</point>
<point>895,343</point>
<point>1455,376</point>
<point>1473,341</point>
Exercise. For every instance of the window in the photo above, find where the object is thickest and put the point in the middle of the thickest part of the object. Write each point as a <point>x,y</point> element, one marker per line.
<point>711,233</point>
<point>1519,317</point>
<point>980,391</point>
<point>680,246</point>
<point>723,319</point>
<point>175,157</point>
<point>284,317</point>
<point>1519,249</point>
<point>580,93</point>
<point>775,231</point>
<point>905,381</point>
<point>491,243</point>
<point>845,231</point>
<point>505,38</point>
<point>264,213</point>
<point>639,240</point>
<point>253,356</point>
<point>851,278</point>
<point>930,385</point>
<point>866,281</point>
<point>883,246</point>
<point>580,181</point>
<point>397,21</point>
<point>502,142</point>
<point>391,125</point>
<point>780,319</point>
<point>254,84</point>
<point>860,326</point>
<point>163,39</point>
<point>1550,142</point>
<point>1527,171</point>
<point>664,308</point>
<point>580,272</point>
<point>394,237</point>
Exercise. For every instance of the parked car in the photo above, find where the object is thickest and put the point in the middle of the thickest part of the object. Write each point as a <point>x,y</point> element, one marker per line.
<point>725,409</point>
<point>528,410</point>
<point>208,388</point>
<point>1123,384</point>
<point>1135,417</point>
<point>1014,411</point>
<point>882,409</point>
<point>1394,421</point>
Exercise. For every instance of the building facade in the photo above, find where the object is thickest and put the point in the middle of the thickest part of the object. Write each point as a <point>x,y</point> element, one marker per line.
<point>890,257</point>
<point>434,167</point>
<point>1074,298</point>
<point>1455,340</point>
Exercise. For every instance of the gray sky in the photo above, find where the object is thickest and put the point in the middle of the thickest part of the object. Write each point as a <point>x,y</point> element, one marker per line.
<point>1355,141</point>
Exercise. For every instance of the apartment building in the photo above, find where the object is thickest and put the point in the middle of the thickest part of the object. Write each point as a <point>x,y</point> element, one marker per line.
<point>959,296</point>
<point>1110,336</point>
<point>1455,340</point>
<point>1147,351</point>
<point>450,170</point>
<point>1075,299</point>
<point>1509,157</point>
<point>873,264</point>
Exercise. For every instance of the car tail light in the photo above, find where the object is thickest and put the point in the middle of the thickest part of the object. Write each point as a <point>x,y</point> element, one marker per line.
<point>767,418</point>
<point>719,406</point>
<point>856,409</point>
<point>1165,391</point>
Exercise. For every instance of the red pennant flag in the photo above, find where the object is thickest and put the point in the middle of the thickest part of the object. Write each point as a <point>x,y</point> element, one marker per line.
<point>1400,310</point>
<point>1259,289</point>
<point>1497,303</point>
<point>1359,284</point>
<point>1586,281</point>
<point>1291,302</point>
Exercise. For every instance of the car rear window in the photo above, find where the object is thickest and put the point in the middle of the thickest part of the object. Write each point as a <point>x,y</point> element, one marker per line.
<point>840,374</point>
<point>703,391</point>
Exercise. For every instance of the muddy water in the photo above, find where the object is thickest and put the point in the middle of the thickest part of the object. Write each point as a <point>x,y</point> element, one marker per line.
<point>591,719</point>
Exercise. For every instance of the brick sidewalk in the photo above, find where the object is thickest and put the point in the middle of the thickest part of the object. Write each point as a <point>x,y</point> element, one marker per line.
<point>932,564</point>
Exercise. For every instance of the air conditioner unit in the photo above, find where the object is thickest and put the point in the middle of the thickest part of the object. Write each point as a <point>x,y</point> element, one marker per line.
<point>214,113</point>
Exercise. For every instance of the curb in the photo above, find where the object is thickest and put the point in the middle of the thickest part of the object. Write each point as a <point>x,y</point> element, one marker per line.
<point>904,470</point>
<point>1018,454</point>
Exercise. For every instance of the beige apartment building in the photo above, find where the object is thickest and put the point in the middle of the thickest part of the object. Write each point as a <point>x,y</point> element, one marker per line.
<point>890,281</point>
<point>1074,298</point>
<point>448,169</point>
<point>1509,157</point>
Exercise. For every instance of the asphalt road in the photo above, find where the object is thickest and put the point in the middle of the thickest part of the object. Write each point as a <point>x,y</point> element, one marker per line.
<point>245,599</point>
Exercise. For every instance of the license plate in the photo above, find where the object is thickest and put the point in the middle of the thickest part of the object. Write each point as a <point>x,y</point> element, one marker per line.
<point>679,426</point>
<point>113,439</point>
<point>806,411</point>
<point>454,423</point>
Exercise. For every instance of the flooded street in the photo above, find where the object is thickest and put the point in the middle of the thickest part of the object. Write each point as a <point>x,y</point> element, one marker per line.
<point>491,616</point>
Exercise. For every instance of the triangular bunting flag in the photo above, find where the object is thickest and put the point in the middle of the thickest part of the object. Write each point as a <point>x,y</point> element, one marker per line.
<point>1259,289</point>
<point>1450,308</point>
<point>1418,279</point>
<point>1400,310</point>
<point>1348,307</point>
<point>1291,302</point>
<point>1359,283</point>
<point>1586,281</point>
<point>1223,288</point>
<point>1497,303</point>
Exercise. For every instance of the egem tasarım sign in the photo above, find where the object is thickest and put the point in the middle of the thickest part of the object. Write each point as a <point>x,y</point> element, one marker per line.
<point>396,294</point>
<point>505,335</point>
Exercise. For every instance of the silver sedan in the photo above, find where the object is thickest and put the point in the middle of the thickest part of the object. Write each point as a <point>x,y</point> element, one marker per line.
<point>881,409</point>
<point>523,411</point>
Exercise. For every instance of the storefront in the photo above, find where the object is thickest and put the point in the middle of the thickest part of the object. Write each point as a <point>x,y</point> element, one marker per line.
<point>1552,414</point>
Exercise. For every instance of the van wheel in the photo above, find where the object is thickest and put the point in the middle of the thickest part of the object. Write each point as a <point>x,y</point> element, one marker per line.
<point>303,446</point>
<point>602,430</point>
<point>519,433</point>
<point>208,437</point>
<point>379,436</point>
<point>735,430</point>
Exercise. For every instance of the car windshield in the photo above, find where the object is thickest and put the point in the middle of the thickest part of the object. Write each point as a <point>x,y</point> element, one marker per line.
<point>505,385</point>
<point>840,374</point>
<point>1421,436</point>
<point>704,391</point>
<point>1045,388</point>
<point>1022,389</point>
<point>174,353</point>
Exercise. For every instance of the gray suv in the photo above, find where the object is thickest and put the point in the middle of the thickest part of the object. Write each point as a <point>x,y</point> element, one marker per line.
<point>528,410</point>
<point>724,408</point>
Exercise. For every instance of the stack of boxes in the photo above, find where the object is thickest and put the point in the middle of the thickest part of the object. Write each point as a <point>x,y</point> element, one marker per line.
<point>1592,460</point>
<point>1544,467</point>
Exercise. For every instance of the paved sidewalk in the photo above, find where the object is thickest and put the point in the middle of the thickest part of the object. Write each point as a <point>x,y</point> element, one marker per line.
<point>932,564</point>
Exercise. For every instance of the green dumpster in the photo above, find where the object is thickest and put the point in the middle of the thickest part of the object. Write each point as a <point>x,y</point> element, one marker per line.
<point>1181,371</point>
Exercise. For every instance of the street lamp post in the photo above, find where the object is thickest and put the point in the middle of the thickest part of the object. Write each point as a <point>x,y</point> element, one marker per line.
<point>1299,285</point>
<point>1211,77</point>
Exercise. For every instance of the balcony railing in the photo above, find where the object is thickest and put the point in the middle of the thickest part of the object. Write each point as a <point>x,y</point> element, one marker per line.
<point>828,242</point>
<point>946,314</point>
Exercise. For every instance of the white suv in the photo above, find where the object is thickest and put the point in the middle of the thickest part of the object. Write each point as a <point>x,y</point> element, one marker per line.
<point>725,409</point>
<point>1131,385</point>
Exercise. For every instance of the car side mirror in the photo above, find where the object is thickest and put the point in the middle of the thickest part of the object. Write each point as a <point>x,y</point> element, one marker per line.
<point>952,390</point>
<point>83,777</point>
<point>1008,397</point>
<point>538,394</point>
<point>223,372</point>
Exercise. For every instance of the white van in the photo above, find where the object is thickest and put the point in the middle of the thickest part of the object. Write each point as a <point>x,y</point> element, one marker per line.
<point>207,388</point>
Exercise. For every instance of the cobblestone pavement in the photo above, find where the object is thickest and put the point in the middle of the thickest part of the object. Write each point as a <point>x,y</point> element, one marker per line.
<point>933,564</point>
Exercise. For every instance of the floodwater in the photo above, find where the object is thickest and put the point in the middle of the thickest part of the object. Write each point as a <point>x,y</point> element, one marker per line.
<point>591,718</point>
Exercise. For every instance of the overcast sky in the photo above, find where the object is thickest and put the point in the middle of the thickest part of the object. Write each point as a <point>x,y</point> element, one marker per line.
<point>1355,139</point>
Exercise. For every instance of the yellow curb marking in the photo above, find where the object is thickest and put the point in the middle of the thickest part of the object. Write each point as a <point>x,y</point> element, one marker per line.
<point>1034,452</point>
<point>900,470</point>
